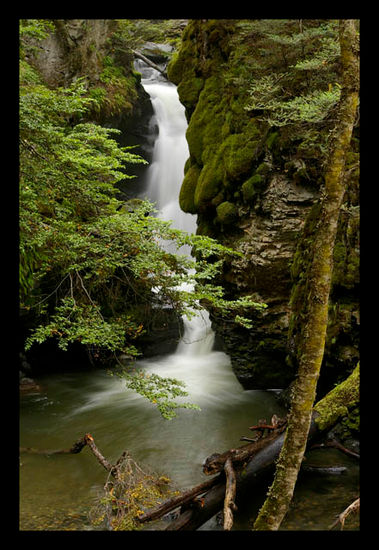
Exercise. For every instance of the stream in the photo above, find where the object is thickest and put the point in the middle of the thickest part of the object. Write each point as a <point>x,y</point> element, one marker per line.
<point>57,491</point>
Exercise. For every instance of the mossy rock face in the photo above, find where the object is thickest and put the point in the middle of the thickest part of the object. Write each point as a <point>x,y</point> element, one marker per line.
<point>209,184</point>
<point>203,132</point>
<point>252,187</point>
<point>227,213</point>
<point>238,150</point>
<point>246,181</point>
<point>187,191</point>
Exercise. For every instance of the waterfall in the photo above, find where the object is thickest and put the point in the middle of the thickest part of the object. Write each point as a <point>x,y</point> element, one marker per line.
<point>164,179</point>
<point>205,372</point>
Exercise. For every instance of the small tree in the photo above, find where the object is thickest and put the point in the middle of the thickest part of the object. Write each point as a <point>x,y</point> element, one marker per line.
<point>318,288</point>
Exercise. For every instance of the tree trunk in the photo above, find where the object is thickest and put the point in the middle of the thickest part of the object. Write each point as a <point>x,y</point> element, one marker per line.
<point>319,283</point>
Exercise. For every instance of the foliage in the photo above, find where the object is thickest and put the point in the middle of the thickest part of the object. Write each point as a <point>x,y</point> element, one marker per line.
<point>87,260</point>
<point>289,69</point>
<point>133,33</point>
<point>31,32</point>
<point>162,392</point>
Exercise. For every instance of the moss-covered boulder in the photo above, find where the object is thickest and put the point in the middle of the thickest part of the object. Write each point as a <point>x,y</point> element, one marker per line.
<point>252,187</point>
<point>227,213</point>
<point>187,191</point>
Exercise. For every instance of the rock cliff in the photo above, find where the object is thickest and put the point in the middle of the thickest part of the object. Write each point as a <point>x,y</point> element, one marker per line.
<point>252,189</point>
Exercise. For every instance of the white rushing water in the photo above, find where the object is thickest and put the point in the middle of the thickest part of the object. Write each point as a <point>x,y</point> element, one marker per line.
<point>207,373</point>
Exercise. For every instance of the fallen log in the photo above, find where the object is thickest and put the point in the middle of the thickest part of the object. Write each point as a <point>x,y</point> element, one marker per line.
<point>151,64</point>
<point>259,465</point>
<point>180,500</point>
<point>326,413</point>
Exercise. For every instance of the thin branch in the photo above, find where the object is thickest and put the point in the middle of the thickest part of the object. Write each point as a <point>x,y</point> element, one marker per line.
<point>54,291</point>
<point>333,443</point>
<point>353,507</point>
<point>89,297</point>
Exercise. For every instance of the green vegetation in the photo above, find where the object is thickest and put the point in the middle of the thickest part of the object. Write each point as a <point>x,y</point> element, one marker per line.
<point>90,265</point>
<point>339,402</point>
<point>239,78</point>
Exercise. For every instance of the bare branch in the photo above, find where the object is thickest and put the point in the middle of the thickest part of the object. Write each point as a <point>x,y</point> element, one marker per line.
<point>353,507</point>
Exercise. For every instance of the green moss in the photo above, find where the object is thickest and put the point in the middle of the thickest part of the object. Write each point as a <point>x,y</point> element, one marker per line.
<point>263,169</point>
<point>252,187</point>
<point>227,213</point>
<point>209,183</point>
<point>189,89</point>
<point>218,199</point>
<point>187,191</point>
<point>175,68</point>
<point>346,260</point>
<point>238,152</point>
<point>272,138</point>
<point>337,403</point>
<point>351,422</point>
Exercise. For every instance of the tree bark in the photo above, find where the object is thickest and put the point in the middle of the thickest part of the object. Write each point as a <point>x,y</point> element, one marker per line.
<point>319,283</point>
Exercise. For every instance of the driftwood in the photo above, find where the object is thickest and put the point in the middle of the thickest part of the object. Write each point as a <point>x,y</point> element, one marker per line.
<point>262,461</point>
<point>221,488</point>
<point>180,500</point>
<point>86,440</point>
<point>230,494</point>
<point>259,464</point>
<point>353,507</point>
<point>151,64</point>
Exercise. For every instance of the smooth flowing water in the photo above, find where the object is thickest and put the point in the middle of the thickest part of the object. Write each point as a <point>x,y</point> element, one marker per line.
<point>57,491</point>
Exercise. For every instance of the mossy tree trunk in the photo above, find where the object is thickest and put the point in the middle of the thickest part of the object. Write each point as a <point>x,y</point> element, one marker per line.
<point>318,283</point>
